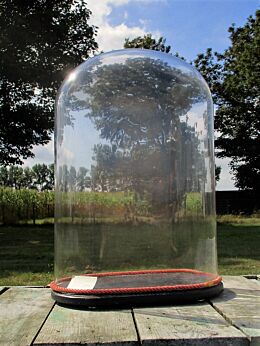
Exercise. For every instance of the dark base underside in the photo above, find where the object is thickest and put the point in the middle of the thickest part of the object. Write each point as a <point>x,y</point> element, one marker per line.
<point>137,299</point>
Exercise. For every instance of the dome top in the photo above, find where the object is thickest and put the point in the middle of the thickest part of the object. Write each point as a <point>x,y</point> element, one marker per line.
<point>124,56</point>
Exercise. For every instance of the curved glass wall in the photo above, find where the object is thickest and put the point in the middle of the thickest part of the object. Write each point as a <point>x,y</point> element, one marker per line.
<point>134,166</point>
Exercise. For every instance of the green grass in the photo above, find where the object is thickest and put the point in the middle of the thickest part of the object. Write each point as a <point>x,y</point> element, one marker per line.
<point>238,248</point>
<point>241,220</point>
<point>38,222</point>
<point>26,253</point>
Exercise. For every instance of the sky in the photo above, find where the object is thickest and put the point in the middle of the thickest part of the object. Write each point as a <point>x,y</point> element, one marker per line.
<point>189,26</point>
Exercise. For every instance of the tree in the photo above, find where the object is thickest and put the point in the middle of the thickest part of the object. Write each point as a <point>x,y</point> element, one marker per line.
<point>3,176</point>
<point>40,42</point>
<point>234,80</point>
<point>82,179</point>
<point>42,177</point>
<point>51,179</point>
<point>217,173</point>
<point>110,169</point>
<point>15,177</point>
<point>72,178</point>
<point>148,42</point>
<point>27,178</point>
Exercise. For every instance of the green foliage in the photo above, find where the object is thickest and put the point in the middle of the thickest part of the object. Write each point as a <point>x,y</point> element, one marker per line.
<point>102,199</point>
<point>193,202</point>
<point>234,81</point>
<point>233,78</point>
<point>41,41</point>
<point>25,204</point>
<point>40,177</point>
<point>43,177</point>
<point>148,42</point>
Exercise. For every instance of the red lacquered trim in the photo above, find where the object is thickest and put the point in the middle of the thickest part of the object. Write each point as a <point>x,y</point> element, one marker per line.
<point>215,280</point>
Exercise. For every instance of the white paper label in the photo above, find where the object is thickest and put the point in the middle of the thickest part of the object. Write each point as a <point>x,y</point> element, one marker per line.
<point>82,282</point>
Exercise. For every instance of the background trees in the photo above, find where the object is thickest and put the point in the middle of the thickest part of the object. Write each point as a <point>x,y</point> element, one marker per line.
<point>40,177</point>
<point>40,41</point>
<point>148,42</point>
<point>234,81</point>
<point>233,78</point>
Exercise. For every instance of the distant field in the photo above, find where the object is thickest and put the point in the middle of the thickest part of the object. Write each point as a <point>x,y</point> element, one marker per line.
<point>26,253</point>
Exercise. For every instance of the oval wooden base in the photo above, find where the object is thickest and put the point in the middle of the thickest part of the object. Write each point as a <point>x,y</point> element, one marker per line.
<point>140,299</point>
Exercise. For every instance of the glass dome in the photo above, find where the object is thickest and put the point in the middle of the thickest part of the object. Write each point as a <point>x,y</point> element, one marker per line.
<point>135,173</point>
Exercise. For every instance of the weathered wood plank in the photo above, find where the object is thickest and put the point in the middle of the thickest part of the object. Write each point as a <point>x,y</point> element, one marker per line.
<point>29,286</point>
<point>189,325</point>
<point>22,312</point>
<point>240,304</point>
<point>66,326</point>
<point>239,282</point>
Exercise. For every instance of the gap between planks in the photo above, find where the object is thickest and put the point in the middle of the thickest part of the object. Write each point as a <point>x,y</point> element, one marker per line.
<point>239,304</point>
<point>3,289</point>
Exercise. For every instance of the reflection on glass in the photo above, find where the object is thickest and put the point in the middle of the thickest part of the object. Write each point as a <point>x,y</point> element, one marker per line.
<point>134,166</point>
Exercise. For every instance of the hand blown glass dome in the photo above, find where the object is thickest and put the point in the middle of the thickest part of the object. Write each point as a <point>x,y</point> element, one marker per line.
<point>135,198</point>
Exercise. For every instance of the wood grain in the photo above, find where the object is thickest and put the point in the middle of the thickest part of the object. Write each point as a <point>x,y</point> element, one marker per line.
<point>240,305</point>
<point>22,312</point>
<point>232,319</point>
<point>189,325</point>
<point>78,327</point>
<point>240,282</point>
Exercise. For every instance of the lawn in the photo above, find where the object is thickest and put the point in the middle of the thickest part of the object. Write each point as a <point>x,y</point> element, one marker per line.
<point>238,246</point>
<point>26,253</point>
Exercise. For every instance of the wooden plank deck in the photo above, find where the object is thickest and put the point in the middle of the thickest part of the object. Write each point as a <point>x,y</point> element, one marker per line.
<point>28,316</point>
<point>22,313</point>
<point>240,305</point>
<point>70,326</point>
<point>187,325</point>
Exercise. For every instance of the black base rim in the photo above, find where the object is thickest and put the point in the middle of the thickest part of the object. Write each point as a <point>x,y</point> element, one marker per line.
<point>137,299</point>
